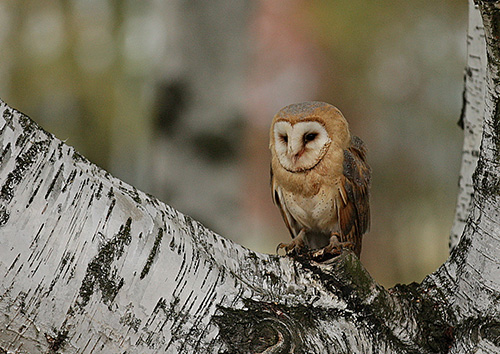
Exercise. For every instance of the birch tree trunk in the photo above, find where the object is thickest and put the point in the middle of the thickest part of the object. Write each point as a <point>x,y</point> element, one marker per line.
<point>471,120</point>
<point>89,264</point>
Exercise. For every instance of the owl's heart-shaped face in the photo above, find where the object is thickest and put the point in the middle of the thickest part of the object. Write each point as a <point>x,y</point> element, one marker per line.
<point>300,146</point>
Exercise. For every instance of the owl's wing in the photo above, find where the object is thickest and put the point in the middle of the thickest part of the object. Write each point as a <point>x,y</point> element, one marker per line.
<point>354,207</point>
<point>290,222</point>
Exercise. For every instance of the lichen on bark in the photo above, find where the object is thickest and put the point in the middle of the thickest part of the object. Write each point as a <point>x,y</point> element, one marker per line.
<point>100,274</point>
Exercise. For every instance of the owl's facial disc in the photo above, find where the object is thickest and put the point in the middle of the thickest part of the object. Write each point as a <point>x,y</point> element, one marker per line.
<point>301,146</point>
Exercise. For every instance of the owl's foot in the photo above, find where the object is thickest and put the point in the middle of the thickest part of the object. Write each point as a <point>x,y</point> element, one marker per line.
<point>297,245</point>
<point>333,249</point>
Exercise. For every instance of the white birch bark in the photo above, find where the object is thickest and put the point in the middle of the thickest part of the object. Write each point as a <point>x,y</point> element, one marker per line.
<point>470,279</point>
<point>471,119</point>
<point>89,264</point>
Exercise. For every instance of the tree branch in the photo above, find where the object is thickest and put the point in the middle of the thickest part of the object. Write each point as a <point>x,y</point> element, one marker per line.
<point>471,119</point>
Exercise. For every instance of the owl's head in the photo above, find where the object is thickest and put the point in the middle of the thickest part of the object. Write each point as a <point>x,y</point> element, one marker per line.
<point>302,133</point>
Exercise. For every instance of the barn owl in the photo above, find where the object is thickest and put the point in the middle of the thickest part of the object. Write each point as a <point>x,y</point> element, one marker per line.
<point>320,179</point>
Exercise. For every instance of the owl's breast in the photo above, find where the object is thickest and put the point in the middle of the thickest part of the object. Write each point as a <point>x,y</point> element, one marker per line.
<point>314,212</point>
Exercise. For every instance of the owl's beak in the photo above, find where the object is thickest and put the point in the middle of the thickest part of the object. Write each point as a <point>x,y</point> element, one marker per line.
<point>298,155</point>
<point>293,153</point>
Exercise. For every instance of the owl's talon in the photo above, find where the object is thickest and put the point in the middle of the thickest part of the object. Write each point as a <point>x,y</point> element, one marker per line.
<point>297,245</point>
<point>280,246</point>
<point>288,247</point>
<point>333,249</point>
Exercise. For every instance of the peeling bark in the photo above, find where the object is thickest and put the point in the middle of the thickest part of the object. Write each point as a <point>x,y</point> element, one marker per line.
<point>90,264</point>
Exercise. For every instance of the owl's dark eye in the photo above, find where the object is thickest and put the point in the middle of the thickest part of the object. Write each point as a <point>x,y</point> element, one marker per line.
<point>284,138</point>
<point>310,137</point>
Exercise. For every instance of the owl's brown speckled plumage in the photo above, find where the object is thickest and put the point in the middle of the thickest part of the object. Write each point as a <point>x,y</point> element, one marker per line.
<point>320,179</point>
